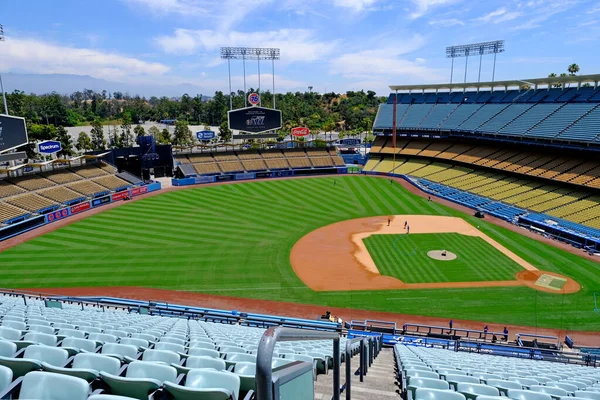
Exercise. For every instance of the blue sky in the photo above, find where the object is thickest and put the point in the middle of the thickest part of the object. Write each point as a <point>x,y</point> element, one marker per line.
<point>334,45</point>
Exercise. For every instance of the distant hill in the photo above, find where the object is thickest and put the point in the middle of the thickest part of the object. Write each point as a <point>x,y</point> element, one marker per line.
<point>67,84</point>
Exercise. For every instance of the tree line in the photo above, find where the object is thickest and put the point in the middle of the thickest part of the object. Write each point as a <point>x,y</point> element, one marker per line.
<point>118,115</point>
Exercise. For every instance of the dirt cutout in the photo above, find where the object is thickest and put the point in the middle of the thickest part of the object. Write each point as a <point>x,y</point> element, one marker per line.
<point>334,257</point>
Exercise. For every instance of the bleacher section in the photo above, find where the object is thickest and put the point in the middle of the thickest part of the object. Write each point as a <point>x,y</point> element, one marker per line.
<point>69,351</point>
<point>253,161</point>
<point>441,374</point>
<point>49,190</point>
<point>564,114</point>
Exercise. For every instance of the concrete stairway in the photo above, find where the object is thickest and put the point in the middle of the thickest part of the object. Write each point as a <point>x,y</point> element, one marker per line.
<point>379,383</point>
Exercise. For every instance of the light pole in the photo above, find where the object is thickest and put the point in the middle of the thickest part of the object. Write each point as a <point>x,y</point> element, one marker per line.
<point>1,84</point>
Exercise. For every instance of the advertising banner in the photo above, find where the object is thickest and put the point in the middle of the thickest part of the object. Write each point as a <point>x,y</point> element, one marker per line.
<point>77,208</point>
<point>254,99</point>
<point>100,201</point>
<point>55,215</point>
<point>254,119</point>
<point>300,131</point>
<point>120,195</point>
<point>204,179</point>
<point>49,147</point>
<point>139,190</point>
<point>247,175</point>
<point>205,135</point>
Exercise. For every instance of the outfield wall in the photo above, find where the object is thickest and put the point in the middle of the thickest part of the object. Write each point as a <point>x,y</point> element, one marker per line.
<point>41,220</point>
<point>197,180</point>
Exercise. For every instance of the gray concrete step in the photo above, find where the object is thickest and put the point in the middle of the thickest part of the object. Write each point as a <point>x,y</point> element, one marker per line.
<point>379,383</point>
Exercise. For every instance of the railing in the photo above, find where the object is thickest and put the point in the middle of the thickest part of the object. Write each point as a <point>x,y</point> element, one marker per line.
<point>63,299</point>
<point>369,348</point>
<point>264,371</point>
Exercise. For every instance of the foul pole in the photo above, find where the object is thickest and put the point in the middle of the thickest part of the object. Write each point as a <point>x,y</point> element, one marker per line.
<point>394,131</point>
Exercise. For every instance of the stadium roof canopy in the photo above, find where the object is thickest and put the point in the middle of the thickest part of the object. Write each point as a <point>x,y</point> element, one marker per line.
<point>534,83</point>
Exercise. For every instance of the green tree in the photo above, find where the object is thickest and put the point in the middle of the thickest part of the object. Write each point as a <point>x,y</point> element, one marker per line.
<point>182,135</point>
<point>165,137</point>
<point>126,137</point>
<point>224,132</point>
<point>84,143</point>
<point>154,132</point>
<point>573,69</point>
<point>97,132</point>
<point>114,139</point>
<point>139,131</point>
<point>65,141</point>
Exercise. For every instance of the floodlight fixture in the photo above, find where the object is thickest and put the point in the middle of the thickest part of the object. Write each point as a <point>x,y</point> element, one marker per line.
<point>481,49</point>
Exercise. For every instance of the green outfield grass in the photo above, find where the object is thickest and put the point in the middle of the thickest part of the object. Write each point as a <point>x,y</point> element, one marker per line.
<point>235,240</point>
<point>405,257</point>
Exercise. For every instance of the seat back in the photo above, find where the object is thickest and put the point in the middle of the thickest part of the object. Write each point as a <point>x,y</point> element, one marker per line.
<point>6,376</point>
<point>119,349</point>
<point>169,346</point>
<point>151,370</point>
<point>51,355</point>
<point>553,391</point>
<point>80,344</point>
<point>527,395</point>
<point>245,368</point>
<point>587,394</point>
<point>241,357</point>
<point>9,333</point>
<point>203,378</point>
<point>42,338</point>
<point>428,383</point>
<point>103,337</point>
<point>205,362</point>
<point>477,388</point>
<point>462,378</point>
<point>437,394</point>
<point>97,362</point>
<point>202,345</point>
<point>15,325</point>
<point>165,356</point>
<point>71,333</point>
<point>41,328</point>
<point>422,374</point>
<point>499,383</point>
<point>7,349</point>
<point>50,386</point>
<point>172,340</point>
<point>135,342</point>
<point>203,352</point>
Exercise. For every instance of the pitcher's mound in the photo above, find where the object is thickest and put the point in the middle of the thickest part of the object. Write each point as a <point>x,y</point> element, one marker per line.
<point>439,255</point>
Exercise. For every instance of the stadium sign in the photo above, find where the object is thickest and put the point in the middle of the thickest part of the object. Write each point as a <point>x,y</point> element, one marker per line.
<point>13,132</point>
<point>351,142</point>
<point>205,135</point>
<point>254,99</point>
<point>254,119</point>
<point>300,131</point>
<point>49,147</point>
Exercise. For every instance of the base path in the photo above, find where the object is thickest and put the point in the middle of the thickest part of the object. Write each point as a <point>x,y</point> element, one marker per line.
<point>335,257</point>
<point>302,310</point>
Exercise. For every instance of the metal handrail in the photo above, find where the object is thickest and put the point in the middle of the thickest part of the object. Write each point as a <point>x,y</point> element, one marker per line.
<point>264,371</point>
<point>348,361</point>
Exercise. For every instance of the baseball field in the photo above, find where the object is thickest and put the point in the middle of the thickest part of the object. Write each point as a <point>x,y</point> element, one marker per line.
<point>236,240</point>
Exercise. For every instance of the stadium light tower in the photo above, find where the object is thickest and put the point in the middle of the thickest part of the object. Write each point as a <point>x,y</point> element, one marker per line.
<point>249,53</point>
<point>1,84</point>
<point>467,50</point>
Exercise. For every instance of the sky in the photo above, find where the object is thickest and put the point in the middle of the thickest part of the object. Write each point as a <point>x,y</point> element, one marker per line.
<point>331,45</point>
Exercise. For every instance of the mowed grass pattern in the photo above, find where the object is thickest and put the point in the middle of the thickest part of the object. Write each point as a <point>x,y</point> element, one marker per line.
<point>235,240</point>
<point>405,257</point>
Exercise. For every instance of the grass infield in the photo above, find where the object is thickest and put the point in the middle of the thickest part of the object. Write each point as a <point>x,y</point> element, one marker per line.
<point>405,257</point>
<point>235,240</point>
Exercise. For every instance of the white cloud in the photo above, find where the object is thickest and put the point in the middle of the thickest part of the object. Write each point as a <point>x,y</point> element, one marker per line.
<point>223,13</point>
<point>355,5</point>
<point>446,22</point>
<point>35,56</point>
<point>295,44</point>
<point>499,15</point>
<point>385,63</point>
<point>425,6</point>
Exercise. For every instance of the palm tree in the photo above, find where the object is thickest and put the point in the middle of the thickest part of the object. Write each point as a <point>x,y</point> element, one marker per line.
<point>573,69</point>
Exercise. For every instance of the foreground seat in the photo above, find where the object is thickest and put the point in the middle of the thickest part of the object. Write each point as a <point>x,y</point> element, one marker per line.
<point>587,394</point>
<point>247,373</point>
<point>428,383</point>
<point>196,362</point>
<point>33,358</point>
<point>472,391</point>
<point>527,395</point>
<point>555,392</point>
<point>88,366</point>
<point>437,394</point>
<point>206,384</point>
<point>49,386</point>
<point>140,380</point>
